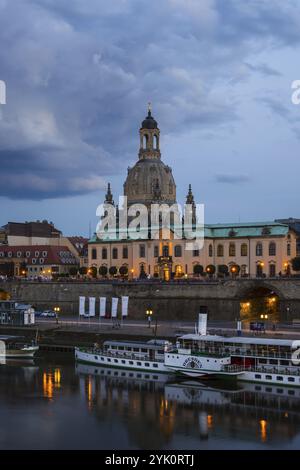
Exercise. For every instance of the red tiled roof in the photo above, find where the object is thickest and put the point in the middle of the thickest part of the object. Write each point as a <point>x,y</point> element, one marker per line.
<point>42,254</point>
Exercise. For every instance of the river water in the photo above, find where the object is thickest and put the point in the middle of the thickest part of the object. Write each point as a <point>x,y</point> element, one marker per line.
<point>54,404</point>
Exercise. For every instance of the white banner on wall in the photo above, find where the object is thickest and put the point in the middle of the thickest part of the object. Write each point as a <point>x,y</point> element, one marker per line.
<point>114,307</point>
<point>92,306</point>
<point>81,305</point>
<point>102,306</point>
<point>124,306</point>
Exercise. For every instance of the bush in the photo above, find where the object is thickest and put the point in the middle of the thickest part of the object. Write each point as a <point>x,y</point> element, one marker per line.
<point>198,269</point>
<point>93,271</point>
<point>123,270</point>
<point>113,270</point>
<point>223,269</point>
<point>210,269</point>
<point>103,271</point>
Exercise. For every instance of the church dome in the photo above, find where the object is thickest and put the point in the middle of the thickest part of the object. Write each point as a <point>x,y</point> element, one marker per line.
<point>150,181</point>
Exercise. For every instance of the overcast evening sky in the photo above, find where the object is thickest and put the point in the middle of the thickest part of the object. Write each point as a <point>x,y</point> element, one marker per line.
<point>79,75</point>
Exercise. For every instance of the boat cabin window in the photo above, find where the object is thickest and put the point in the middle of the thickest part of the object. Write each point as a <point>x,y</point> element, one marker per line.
<point>263,361</point>
<point>160,351</point>
<point>280,378</point>
<point>291,379</point>
<point>144,350</point>
<point>291,392</point>
<point>136,349</point>
<point>121,348</point>
<point>273,361</point>
<point>269,377</point>
<point>284,363</point>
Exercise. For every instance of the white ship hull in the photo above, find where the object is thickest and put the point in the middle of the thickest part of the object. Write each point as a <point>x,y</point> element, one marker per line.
<point>271,378</point>
<point>108,360</point>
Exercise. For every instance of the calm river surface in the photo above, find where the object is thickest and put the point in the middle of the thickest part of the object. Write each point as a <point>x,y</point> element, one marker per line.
<point>53,404</point>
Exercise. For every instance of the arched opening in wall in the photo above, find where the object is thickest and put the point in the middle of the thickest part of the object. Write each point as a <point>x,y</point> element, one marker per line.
<point>145,141</point>
<point>4,295</point>
<point>155,142</point>
<point>260,304</point>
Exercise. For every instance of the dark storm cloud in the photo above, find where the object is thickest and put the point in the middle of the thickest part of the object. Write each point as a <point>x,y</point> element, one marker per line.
<point>232,179</point>
<point>79,75</point>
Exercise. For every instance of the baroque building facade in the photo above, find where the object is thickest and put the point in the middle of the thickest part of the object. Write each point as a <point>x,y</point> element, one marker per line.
<point>246,249</point>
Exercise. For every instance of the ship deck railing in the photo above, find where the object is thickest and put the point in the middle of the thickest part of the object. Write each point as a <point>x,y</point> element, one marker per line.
<point>120,355</point>
<point>242,352</point>
<point>274,370</point>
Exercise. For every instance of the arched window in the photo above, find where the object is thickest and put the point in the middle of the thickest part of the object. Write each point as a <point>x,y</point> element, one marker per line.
<point>104,253</point>
<point>125,252</point>
<point>259,249</point>
<point>94,253</point>
<point>288,249</point>
<point>177,251</point>
<point>170,188</point>
<point>145,141</point>
<point>155,142</point>
<point>142,251</point>
<point>210,251</point>
<point>244,249</point>
<point>231,249</point>
<point>220,250</point>
<point>115,253</point>
<point>272,249</point>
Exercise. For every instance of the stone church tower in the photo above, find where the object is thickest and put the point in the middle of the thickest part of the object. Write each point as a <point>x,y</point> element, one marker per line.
<point>150,180</point>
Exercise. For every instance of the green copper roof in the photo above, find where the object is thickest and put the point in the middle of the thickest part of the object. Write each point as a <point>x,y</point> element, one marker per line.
<point>235,230</point>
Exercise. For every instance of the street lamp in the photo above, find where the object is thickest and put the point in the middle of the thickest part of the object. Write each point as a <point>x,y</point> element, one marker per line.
<point>149,313</point>
<point>56,310</point>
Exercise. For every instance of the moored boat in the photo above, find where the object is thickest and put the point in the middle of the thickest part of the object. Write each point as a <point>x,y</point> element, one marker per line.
<point>12,347</point>
<point>135,355</point>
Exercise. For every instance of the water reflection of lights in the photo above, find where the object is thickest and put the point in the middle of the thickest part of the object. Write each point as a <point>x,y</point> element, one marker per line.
<point>51,381</point>
<point>263,430</point>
